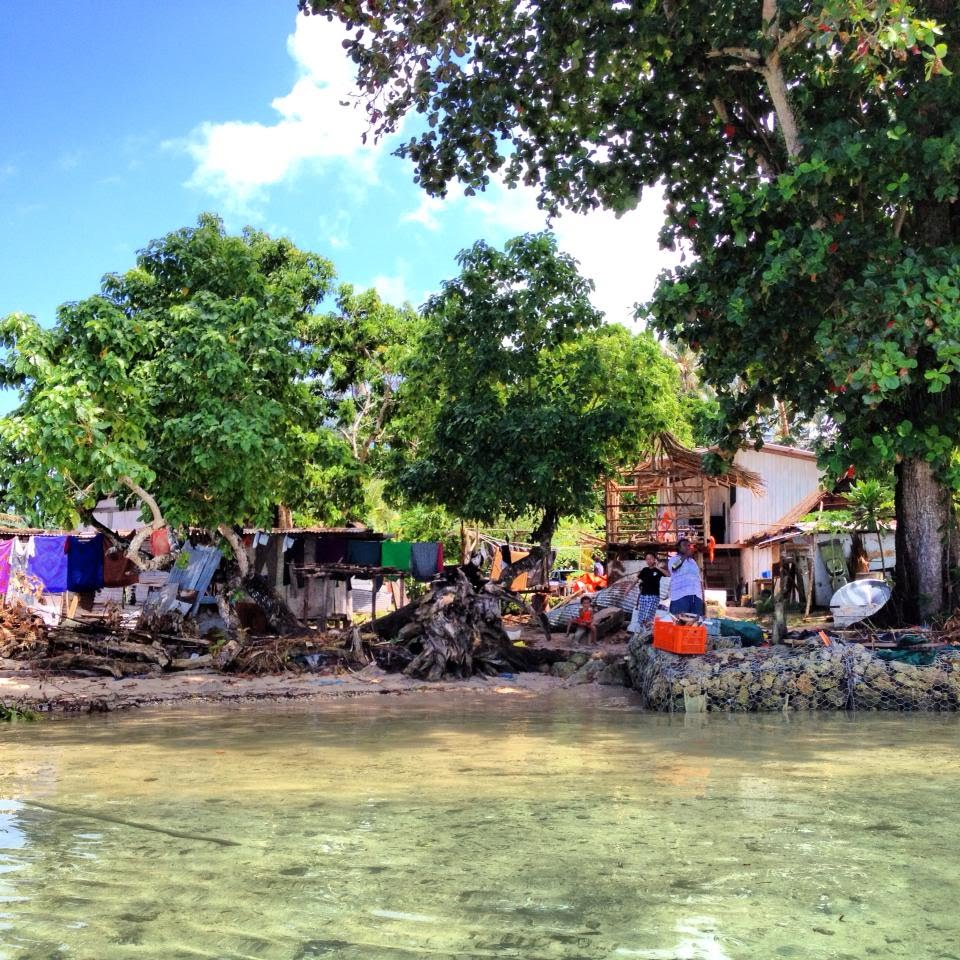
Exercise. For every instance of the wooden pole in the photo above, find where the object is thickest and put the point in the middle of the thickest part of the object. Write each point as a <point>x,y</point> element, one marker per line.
<point>811,574</point>
<point>706,519</point>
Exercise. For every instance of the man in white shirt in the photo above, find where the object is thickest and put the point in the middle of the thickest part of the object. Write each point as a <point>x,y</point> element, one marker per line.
<point>686,583</point>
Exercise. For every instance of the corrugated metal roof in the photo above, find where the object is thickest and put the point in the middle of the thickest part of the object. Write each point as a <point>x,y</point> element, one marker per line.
<point>357,531</point>
<point>789,524</point>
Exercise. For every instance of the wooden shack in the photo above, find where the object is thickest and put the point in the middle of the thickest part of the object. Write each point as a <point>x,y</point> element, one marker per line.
<point>292,561</point>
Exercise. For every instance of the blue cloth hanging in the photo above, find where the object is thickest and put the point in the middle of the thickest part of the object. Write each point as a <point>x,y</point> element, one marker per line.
<point>49,563</point>
<point>425,562</point>
<point>364,553</point>
<point>84,563</point>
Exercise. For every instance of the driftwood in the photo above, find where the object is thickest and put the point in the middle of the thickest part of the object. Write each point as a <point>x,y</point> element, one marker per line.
<point>227,654</point>
<point>453,631</point>
<point>23,635</point>
<point>109,646</point>
<point>196,663</point>
<point>91,663</point>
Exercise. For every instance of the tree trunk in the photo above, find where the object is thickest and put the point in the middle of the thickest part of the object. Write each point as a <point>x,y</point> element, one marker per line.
<point>239,551</point>
<point>923,542</point>
<point>156,523</point>
<point>540,554</point>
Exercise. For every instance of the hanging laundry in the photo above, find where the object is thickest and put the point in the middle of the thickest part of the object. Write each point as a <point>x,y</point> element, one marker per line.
<point>84,563</point>
<point>261,553</point>
<point>519,582</point>
<point>293,554</point>
<point>22,588</point>
<point>364,553</point>
<point>331,549</point>
<point>426,560</point>
<point>118,569</point>
<point>396,553</point>
<point>49,563</point>
<point>6,549</point>
<point>160,542</point>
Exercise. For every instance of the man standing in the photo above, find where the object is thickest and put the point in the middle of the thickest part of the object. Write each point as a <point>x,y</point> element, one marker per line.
<point>649,599</point>
<point>686,584</point>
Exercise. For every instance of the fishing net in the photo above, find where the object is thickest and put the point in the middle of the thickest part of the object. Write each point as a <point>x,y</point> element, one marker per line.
<point>841,676</point>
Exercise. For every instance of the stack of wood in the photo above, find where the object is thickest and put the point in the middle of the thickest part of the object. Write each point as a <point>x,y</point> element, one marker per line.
<point>307,651</point>
<point>165,643</point>
<point>23,635</point>
<point>453,631</point>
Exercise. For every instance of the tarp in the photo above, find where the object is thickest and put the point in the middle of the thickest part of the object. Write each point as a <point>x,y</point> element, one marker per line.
<point>622,595</point>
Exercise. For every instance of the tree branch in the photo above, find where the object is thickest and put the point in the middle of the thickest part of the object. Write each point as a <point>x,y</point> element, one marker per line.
<point>115,541</point>
<point>899,220</point>
<point>739,53</point>
<point>133,549</point>
<point>377,429</point>
<point>772,72</point>
<point>145,497</point>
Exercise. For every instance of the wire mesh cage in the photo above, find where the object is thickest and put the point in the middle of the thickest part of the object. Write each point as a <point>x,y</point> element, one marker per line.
<point>841,676</point>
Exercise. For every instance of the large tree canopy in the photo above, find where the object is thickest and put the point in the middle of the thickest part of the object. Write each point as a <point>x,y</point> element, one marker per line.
<point>188,381</point>
<point>810,156</point>
<point>518,398</point>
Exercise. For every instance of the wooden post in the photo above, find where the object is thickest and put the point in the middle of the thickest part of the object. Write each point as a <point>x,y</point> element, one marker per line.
<point>325,601</point>
<point>706,516</point>
<point>811,575</point>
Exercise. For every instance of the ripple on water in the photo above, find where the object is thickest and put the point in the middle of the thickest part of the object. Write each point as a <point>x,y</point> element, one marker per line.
<point>541,831</point>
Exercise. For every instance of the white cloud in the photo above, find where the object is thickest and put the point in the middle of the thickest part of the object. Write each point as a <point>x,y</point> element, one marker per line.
<point>427,213</point>
<point>393,288</point>
<point>621,255</point>
<point>236,160</point>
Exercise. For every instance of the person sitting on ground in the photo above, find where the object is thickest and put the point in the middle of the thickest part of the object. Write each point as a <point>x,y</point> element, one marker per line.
<point>649,598</point>
<point>599,570</point>
<point>686,583</point>
<point>583,622</point>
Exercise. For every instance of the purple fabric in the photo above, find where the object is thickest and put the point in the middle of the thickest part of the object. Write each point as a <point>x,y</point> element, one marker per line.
<point>85,564</point>
<point>331,549</point>
<point>6,546</point>
<point>49,563</point>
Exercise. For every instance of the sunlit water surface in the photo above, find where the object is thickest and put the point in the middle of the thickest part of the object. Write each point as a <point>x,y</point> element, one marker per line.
<point>496,827</point>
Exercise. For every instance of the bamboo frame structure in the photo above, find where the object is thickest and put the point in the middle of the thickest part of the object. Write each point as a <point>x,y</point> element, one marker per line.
<point>664,497</point>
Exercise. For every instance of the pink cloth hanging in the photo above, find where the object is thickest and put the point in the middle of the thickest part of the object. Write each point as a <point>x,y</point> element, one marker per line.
<point>6,548</point>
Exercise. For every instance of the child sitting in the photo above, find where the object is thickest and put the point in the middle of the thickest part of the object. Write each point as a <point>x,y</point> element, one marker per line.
<point>583,622</point>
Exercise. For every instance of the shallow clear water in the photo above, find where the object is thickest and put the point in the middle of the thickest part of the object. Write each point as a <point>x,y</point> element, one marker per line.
<point>489,828</point>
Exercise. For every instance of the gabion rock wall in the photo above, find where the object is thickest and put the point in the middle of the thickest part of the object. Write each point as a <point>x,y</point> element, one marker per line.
<point>839,677</point>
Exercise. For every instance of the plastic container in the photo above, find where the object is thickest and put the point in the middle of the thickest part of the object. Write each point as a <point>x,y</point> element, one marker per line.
<point>676,638</point>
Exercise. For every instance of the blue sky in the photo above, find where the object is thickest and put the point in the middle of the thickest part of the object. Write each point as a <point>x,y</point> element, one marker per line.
<point>122,121</point>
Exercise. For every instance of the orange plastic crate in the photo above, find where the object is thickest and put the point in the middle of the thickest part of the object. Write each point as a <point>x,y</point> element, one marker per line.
<point>675,638</point>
